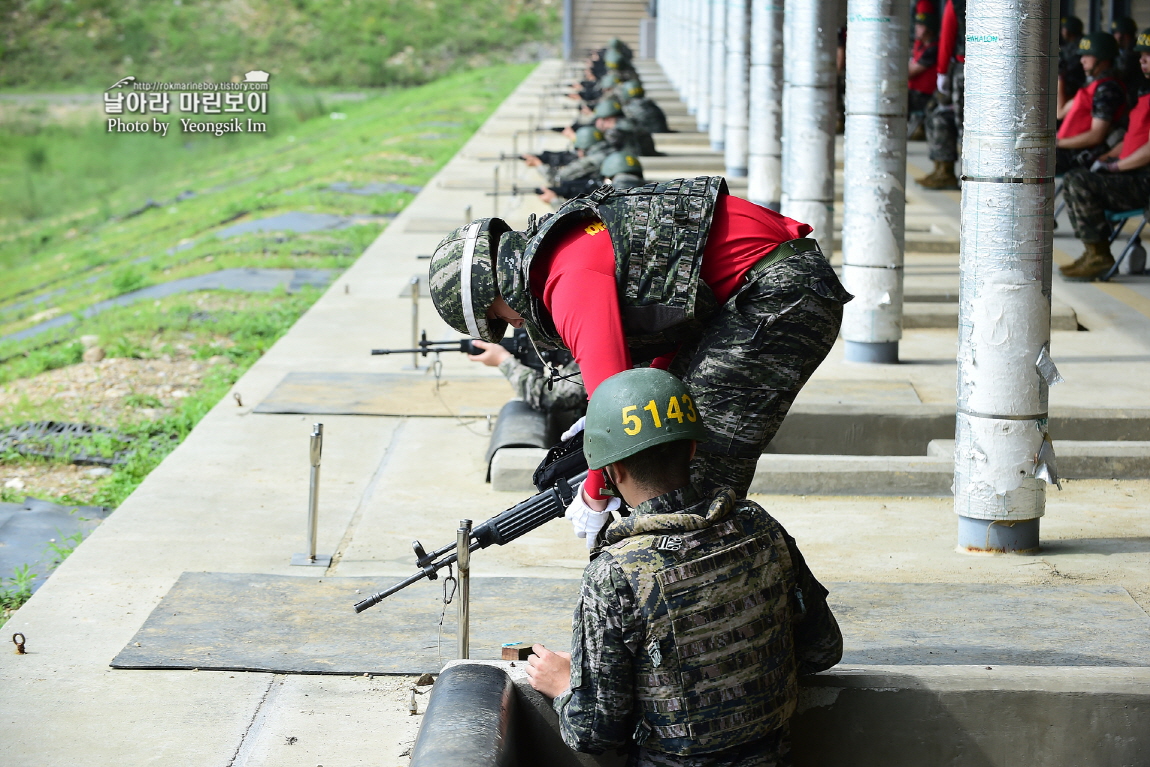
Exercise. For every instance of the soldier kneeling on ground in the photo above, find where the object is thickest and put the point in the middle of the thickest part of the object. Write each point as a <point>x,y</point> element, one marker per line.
<point>688,583</point>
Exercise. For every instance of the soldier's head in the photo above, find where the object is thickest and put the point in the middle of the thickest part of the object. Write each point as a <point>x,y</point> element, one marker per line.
<point>1097,51</point>
<point>629,90</point>
<point>619,163</point>
<point>586,137</point>
<point>1124,31</point>
<point>1142,46</point>
<point>1071,29</point>
<point>642,427</point>
<point>925,20</point>
<point>464,286</point>
<point>607,112</point>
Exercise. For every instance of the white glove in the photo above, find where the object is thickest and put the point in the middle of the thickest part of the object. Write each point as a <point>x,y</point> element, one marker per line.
<point>574,429</point>
<point>942,83</point>
<point>586,521</point>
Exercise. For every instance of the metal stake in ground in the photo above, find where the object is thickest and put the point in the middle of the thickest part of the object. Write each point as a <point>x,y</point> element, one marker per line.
<point>463,551</point>
<point>311,559</point>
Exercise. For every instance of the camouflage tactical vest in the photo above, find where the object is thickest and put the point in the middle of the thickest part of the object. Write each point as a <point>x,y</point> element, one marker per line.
<point>717,668</point>
<point>659,232</point>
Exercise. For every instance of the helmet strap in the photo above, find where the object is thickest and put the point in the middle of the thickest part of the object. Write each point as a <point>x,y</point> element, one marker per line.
<point>471,234</point>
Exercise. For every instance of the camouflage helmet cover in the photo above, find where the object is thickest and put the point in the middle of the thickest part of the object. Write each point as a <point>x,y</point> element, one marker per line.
<point>587,136</point>
<point>609,108</point>
<point>630,89</point>
<point>620,162</point>
<point>462,278</point>
<point>635,410</point>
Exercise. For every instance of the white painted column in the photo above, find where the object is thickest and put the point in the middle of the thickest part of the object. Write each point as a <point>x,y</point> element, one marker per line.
<point>874,177</point>
<point>1003,458</point>
<point>718,125</point>
<point>809,40</point>
<point>765,118</point>
<point>703,113</point>
<point>738,72</point>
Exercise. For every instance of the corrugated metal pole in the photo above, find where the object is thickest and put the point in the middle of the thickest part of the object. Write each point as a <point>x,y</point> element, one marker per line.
<point>738,72</point>
<point>874,177</point>
<point>809,39</point>
<point>765,119</point>
<point>718,125</point>
<point>1003,457</point>
<point>703,57</point>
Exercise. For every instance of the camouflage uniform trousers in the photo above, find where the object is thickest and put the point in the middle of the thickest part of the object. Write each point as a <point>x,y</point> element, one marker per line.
<point>944,123</point>
<point>1089,195</point>
<point>752,359</point>
<point>563,403</point>
<point>772,751</point>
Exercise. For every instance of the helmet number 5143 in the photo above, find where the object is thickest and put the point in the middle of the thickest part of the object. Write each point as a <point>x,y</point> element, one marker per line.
<point>632,424</point>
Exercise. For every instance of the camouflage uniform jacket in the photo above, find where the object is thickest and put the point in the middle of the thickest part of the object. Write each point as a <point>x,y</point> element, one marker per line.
<point>646,114</point>
<point>692,624</point>
<point>530,385</point>
<point>587,165</point>
<point>659,232</point>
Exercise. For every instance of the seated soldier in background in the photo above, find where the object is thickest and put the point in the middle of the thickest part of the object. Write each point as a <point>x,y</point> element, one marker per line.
<point>590,157</point>
<point>1119,181</point>
<point>698,615</point>
<point>1095,110</point>
<point>1126,64</point>
<point>922,70</point>
<point>1071,77</point>
<point>639,109</point>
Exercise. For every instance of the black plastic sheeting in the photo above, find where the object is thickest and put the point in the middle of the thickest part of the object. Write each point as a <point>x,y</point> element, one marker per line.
<point>28,530</point>
<point>64,441</point>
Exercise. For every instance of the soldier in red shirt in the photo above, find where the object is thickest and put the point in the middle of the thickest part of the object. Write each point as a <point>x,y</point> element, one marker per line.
<point>1119,180</point>
<point>1088,118</point>
<point>921,81</point>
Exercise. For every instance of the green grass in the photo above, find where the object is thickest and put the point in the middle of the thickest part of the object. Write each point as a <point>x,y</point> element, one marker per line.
<point>74,253</point>
<point>340,43</point>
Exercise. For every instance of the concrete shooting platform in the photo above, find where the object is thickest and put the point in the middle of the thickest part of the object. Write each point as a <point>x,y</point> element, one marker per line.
<point>1052,649</point>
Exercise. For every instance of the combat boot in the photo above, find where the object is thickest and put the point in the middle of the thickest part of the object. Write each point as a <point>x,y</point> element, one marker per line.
<point>1095,262</point>
<point>942,178</point>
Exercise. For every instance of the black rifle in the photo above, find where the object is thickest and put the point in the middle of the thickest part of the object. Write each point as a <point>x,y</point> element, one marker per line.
<point>501,529</point>
<point>518,344</point>
<point>515,191</point>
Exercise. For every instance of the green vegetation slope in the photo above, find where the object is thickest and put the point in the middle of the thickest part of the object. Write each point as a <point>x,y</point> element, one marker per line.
<point>356,43</point>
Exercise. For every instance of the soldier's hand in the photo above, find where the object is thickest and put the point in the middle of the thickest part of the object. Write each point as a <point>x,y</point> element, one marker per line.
<point>532,160</point>
<point>547,195</point>
<point>549,672</point>
<point>492,356</point>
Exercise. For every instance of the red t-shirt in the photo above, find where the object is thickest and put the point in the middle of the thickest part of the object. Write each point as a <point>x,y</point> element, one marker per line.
<point>576,283</point>
<point>1139,130</point>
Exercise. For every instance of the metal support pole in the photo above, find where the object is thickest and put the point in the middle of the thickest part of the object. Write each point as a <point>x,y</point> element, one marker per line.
<point>463,549</point>
<point>495,197</point>
<point>703,57</point>
<point>874,176</point>
<point>809,115</point>
<point>315,452</point>
<point>765,119</point>
<point>738,71</point>
<point>718,125</point>
<point>415,321</point>
<point>1003,457</point>
<point>568,30</point>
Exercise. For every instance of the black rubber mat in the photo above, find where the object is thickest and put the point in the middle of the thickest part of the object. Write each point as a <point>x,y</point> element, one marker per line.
<point>307,625</point>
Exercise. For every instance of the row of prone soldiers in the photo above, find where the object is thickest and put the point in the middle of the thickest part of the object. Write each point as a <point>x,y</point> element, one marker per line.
<point>612,131</point>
